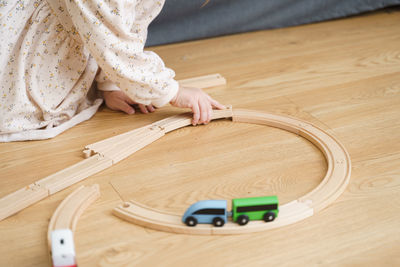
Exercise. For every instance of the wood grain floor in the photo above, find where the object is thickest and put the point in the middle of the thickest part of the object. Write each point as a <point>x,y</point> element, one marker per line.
<point>343,76</point>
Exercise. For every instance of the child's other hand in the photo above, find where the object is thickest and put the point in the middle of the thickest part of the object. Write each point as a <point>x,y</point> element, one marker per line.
<point>200,103</point>
<point>118,100</point>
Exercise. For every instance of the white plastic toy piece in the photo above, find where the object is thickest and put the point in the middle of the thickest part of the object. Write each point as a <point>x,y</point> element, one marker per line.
<point>62,248</point>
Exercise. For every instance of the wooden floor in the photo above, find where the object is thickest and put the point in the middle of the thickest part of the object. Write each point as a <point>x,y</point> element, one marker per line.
<point>343,76</point>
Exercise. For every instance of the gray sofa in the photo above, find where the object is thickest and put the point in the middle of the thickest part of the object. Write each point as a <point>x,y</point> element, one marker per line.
<point>183,20</point>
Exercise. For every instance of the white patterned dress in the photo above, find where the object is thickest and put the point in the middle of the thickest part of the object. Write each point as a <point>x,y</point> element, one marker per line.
<point>53,51</point>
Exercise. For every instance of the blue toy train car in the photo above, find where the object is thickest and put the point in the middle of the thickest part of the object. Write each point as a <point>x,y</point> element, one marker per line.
<point>206,211</point>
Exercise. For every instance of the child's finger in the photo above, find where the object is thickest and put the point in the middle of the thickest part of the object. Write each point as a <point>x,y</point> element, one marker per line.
<point>216,104</point>
<point>196,113</point>
<point>125,107</point>
<point>150,108</point>
<point>209,111</point>
<point>143,108</point>
<point>204,110</point>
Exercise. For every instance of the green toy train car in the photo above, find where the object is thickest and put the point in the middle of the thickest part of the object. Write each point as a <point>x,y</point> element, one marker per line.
<point>254,208</point>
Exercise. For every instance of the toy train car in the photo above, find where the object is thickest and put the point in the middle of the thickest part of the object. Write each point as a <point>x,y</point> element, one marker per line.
<point>63,248</point>
<point>243,210</point>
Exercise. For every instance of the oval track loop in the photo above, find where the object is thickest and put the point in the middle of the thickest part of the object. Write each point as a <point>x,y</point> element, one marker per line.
<point>330,188</point>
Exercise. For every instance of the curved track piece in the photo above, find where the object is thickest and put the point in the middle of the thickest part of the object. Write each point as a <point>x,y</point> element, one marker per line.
<point>71,208</point>
<point>333,184</point>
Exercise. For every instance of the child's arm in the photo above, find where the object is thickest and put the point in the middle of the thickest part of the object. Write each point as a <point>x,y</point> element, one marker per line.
<point>114,33</point>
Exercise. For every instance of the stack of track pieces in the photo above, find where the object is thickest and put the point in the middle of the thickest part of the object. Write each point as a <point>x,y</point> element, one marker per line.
<point>332,185</point>
<point>63,222</point>
<point>99,156</point>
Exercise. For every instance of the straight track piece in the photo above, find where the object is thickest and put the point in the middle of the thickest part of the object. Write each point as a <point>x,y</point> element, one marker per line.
<point>75,173</point>
<point>114,140</point>
<point>127,148</point>
<point>178,121</point>
<point>21,199</point>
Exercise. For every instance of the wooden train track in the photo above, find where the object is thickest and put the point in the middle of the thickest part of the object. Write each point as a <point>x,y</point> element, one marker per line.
<point>331,187</point>
<point>99,156</point>
<point>108,152</point>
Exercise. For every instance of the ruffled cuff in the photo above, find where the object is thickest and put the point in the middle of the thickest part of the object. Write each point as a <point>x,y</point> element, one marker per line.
<point>172,91</point>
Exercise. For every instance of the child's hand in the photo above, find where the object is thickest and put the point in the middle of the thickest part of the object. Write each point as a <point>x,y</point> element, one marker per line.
<point>200,103</point>
<point>118,100</point>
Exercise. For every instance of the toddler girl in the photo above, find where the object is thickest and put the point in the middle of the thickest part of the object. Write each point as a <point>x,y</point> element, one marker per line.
<point>55,54</point>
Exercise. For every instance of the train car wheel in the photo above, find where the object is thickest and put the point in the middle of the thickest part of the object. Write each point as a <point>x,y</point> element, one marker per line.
<point>269,217</point>
<point>243,219</point>
<point>191,221</point>
<point>218,222</point>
